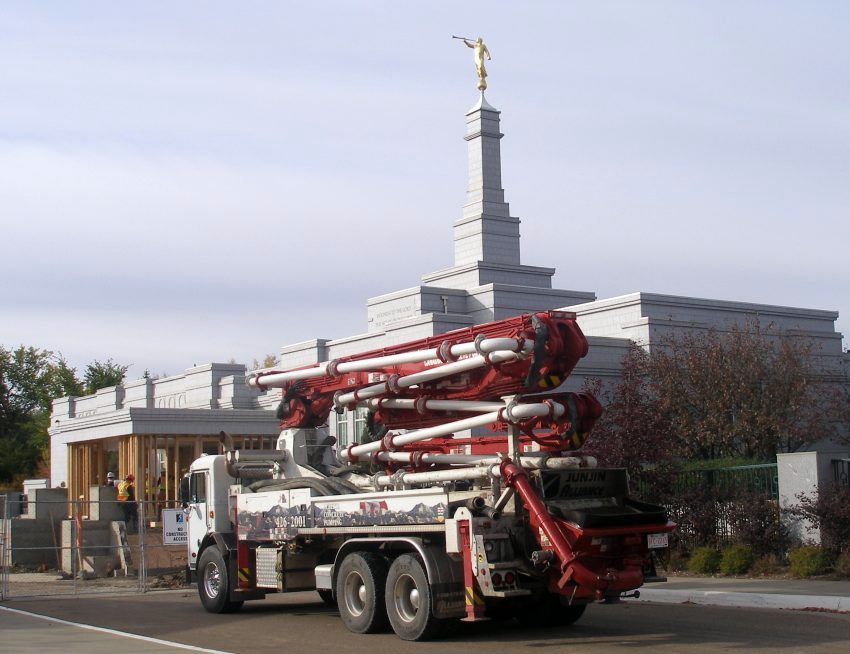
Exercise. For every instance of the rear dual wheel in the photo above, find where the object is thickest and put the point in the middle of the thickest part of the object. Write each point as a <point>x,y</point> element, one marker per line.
<point>371,595</point>
<point>548,611</point>
<point>360,586</point>
<point>408,598</point>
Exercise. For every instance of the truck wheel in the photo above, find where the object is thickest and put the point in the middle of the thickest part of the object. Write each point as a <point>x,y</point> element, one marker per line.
<point>360,592</point>
<point>568,614</point>
<point>214,583</point>
<point>408,598</point>
<point>549,612</point>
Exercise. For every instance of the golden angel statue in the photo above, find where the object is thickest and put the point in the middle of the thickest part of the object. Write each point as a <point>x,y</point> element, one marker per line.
<point>480,51</point>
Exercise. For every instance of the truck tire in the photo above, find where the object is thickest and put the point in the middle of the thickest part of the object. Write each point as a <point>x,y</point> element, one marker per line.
<point>214,583</point>
<point>408,597</point>
<point>360,592</point>
<point>568,614</point>
<point>549,612</point>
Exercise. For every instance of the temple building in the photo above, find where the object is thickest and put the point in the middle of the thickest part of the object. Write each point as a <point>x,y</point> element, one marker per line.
<point>155,428</point>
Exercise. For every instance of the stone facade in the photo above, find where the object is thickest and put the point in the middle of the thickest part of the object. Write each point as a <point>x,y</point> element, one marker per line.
<point>649,318</point>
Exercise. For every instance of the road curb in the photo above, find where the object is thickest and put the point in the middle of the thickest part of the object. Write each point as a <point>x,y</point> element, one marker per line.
<point>748,600</point>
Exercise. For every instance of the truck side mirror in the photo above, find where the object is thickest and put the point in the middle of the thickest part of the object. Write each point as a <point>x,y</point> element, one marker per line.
<point>185,495</point>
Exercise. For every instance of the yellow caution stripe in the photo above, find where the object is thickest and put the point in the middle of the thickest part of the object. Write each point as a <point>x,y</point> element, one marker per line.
<point>473,598</point>
<point>552,381</point>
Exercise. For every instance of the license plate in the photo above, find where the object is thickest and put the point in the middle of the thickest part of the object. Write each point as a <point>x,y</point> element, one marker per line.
<point>655,541</point>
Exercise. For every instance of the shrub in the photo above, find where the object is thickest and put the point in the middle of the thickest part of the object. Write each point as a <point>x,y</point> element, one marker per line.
<point>808,561</point>
<point>755,521</point>
<point>695,509</point>
<point>704,560</point>
<point>769,564</point>
<point>828,511</point>
<point>842,565</point>
<point>675,562</point>
<point>737,560</point>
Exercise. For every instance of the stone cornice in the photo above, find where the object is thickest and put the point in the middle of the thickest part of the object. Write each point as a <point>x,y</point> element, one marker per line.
<point>657,299</point>
<point>124,422</point>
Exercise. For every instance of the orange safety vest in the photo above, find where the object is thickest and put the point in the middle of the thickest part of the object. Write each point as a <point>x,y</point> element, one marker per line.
<point>124,491</point>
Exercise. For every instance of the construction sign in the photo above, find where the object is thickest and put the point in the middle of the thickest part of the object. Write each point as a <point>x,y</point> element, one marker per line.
<point>175,529</point>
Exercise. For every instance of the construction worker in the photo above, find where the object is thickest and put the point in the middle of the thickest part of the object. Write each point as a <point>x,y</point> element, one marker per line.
<point>127,498</point>
<point>110,479</point>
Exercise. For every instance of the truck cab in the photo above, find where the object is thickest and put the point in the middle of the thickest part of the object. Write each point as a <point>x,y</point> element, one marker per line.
<point>206,503</point>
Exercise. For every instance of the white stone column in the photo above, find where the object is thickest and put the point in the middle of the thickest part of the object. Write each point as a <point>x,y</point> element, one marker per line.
<point>804,473</point>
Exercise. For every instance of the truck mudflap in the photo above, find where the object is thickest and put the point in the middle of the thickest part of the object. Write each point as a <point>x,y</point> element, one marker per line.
<point>445,574</point>
<point>580,569</point>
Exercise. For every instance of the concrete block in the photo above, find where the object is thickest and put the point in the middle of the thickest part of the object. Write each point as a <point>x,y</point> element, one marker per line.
<point>14,504</point>
<point>47,504</point>
<point>92,551</point>
<point>103,504</point>
<point>32,543</point>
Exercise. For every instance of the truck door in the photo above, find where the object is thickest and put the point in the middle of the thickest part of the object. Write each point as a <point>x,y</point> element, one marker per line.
<point>198,513</point>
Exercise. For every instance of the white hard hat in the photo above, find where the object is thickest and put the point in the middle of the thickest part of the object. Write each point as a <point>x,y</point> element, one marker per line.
<point>110,475</point>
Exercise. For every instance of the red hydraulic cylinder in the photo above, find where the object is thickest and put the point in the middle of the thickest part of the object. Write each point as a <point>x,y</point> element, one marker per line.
<point>551,537</point>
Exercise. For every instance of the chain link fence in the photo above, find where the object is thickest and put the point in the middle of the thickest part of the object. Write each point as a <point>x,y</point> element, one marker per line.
<point>73,547</point>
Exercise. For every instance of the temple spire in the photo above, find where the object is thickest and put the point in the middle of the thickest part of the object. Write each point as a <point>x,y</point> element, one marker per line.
<point>486,231</point>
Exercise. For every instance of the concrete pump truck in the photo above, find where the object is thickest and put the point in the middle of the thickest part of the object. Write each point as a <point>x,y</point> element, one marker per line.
<point>467,497</point>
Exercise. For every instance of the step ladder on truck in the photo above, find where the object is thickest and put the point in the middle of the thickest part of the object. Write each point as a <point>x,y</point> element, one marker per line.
<point>467,498</point>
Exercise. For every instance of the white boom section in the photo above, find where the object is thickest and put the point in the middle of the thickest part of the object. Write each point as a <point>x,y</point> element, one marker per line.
<point>437,372</point>
<point>512,413</point>
<point>482,468</point>
<point>531,460</point>
<point>277,379</point>
<point>433,405</point>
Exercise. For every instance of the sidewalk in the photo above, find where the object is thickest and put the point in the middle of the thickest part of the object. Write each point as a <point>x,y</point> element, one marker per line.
<point>758,593</point>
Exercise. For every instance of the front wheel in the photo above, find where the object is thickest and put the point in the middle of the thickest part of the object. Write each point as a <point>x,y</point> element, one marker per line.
<point>214,583</point>
<point>408,598</point>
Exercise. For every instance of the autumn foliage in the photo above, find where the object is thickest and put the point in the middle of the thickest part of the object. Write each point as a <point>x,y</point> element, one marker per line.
<point>744,393</point>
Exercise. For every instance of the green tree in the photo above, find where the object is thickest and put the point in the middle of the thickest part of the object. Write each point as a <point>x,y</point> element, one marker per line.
<point>269,361</point>
<point>65,380</point>
<point>30,378</point>
<point>100,374</point>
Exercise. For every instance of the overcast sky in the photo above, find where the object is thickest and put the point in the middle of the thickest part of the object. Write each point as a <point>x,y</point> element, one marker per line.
<point>185,182</point>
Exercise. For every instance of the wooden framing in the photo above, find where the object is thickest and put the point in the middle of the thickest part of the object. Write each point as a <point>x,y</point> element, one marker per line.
<point>139,454</point>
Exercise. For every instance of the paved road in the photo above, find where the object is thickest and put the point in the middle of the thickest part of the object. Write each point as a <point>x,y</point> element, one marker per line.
<point>299,624</point>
